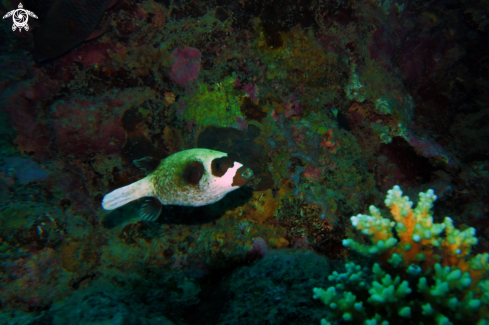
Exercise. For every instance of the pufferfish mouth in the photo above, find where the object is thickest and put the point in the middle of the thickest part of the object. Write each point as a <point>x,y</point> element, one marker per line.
<point>243,176</point>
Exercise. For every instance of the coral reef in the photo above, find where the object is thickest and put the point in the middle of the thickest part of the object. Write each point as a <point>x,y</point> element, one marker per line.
<point>330,103</point>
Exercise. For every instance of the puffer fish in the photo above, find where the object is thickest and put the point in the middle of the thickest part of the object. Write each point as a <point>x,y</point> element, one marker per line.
<point>194,177</point>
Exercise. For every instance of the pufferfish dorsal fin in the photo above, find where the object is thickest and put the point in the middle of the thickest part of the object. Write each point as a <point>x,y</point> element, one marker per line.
<point>147,164</point>
<point>150,209</point>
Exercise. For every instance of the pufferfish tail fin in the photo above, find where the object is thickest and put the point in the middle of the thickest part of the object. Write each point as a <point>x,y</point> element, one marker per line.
<point>126,194</point>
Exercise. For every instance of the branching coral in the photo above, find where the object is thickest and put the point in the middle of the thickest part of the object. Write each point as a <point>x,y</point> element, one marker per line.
<point>431,280</point>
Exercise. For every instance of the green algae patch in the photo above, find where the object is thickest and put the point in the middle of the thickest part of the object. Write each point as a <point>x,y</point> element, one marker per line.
<point>217,105</point>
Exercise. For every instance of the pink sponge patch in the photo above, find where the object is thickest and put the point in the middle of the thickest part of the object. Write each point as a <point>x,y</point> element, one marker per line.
<point>185,66</point>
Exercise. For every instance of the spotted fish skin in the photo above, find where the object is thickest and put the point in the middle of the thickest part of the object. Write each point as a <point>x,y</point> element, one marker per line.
<point>194,177</point>
<point>67,24</point>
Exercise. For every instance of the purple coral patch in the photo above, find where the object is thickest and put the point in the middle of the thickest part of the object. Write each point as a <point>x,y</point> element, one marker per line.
<point>185,66</point>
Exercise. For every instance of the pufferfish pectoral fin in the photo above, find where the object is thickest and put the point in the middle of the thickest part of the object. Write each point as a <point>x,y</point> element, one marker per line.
<point>150,210</point>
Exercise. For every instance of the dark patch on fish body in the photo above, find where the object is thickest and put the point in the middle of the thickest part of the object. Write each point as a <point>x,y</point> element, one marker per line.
<point>221,165</point>
<point>193,172</point>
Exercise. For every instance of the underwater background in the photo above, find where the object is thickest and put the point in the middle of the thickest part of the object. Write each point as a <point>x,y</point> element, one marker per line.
<point>365,124</point>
